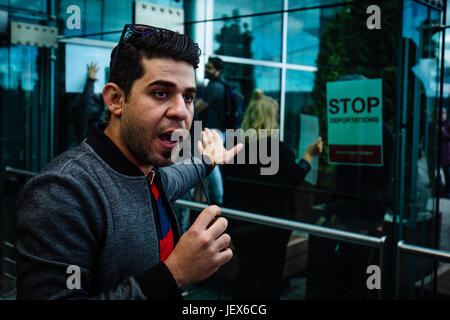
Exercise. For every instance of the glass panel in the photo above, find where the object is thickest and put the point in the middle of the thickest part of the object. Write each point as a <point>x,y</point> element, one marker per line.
<point>443,281</point>
<point>115,15</point>
<point>338,270</point>
<point>256,38</point>
<point>4,68</point>
<point>420,116</point>
<point>340,194</point>
<point>247,78</point>
<point>252,37</point>
<point>36,5</point>
<point>299,85</point>
<point>268,264</point>
<point>97,17</point>
<point>20,108</point>
<point>93,17</point>
<point>419,112</point>
<point>423,279</point>
<point>236,8</point>
<point>304,25</point>
<point>297,4</point>
<point>23,130</point>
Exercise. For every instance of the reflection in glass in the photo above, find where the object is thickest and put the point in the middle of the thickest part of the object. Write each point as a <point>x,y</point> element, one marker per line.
<point>421,114</point>
<point>36,5</point>
<point>22,67</point>
<point>261,250</point>
<point>245,7</point>
<point>19,105</point>
<point>304,25</point>
<point>297,4</point>
<point>299,85</point>
<point>256,38</point>
<point>94,18</point>
<point>247,78</point>
<point>115,15</point>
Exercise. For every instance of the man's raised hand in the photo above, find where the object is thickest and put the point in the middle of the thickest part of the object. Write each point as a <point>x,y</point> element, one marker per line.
<point>212,146</point>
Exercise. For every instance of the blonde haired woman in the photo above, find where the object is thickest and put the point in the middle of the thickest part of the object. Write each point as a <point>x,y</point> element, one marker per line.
<point>261,250</point>
<point>261,113</point>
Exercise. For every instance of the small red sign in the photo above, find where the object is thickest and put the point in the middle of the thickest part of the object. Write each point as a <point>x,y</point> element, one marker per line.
<point>355,154</point>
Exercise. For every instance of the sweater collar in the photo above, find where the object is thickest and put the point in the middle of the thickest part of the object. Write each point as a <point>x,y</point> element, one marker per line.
<point>110,153</point>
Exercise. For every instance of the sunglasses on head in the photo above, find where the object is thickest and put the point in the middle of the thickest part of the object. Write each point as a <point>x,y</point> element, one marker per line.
<point>134,28</point>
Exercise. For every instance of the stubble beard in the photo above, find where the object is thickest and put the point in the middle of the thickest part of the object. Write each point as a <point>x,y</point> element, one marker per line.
<point>136,138</point>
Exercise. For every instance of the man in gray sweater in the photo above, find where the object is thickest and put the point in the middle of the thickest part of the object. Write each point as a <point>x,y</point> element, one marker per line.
<point>97,222</point>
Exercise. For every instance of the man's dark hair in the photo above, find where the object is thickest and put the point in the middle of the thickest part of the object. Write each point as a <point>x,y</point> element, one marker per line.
<point>217,63</point>
<point>164,44</point>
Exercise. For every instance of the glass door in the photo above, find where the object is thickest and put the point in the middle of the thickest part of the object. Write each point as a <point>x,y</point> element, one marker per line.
<point>26,116</point>
<point>421,212</point>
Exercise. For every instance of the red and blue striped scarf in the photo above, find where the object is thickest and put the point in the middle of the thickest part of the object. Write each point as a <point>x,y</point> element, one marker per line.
<point>165,234</point>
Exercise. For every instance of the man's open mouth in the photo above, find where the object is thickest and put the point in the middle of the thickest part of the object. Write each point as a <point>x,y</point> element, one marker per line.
<point>170,139</point>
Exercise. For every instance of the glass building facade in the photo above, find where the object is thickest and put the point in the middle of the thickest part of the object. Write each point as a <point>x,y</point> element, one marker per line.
<point>351,212</point>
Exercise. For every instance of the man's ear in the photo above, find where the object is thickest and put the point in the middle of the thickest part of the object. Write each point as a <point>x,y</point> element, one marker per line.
<point>114,98</point>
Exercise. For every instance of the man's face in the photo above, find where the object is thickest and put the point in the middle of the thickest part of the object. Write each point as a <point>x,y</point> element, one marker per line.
<point>160,102</point>
<point>210,71</point>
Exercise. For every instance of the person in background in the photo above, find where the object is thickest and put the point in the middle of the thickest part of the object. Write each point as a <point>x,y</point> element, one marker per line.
<point>210,107</point>
<point>445,152</point>
<point>261,250</point>
<point>89,106</point>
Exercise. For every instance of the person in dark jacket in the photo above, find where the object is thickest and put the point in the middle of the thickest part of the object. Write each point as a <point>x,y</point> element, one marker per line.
<point>210,107</point>
<point>261,250</point>
<point>89,106</point>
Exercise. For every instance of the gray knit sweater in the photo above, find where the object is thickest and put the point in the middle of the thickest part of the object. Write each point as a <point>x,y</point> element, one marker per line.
<point>91,208</point>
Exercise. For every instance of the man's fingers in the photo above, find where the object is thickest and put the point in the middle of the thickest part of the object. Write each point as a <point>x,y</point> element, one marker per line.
<point>206,137</point>
<point>200,146</point>
<point>206,217</point>
<point>218,227</point>
<point>223,242</point>
<point>212,135</point>
<point>209,135</point>
<point>230,154</point>
<point>237,148</point>
<point>225,256</point>
<point>218,137</point>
